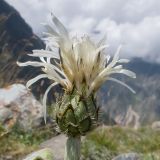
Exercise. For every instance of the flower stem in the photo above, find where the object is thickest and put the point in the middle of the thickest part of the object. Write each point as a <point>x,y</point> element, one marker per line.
<point>72,150</point>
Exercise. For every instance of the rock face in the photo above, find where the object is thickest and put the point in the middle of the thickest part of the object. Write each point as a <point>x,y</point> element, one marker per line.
<point>131,119</point>
<point>145,103</point>
<point>16,41</point>
<point>19,106</point>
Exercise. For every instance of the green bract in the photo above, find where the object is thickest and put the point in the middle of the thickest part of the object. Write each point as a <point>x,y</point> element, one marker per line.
<point>76,115</point>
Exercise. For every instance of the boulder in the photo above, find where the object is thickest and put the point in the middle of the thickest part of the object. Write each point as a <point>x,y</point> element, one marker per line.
<point>5,114</point>
<point>19,106</point>
<point>127,156</point>
<point>156,125</point>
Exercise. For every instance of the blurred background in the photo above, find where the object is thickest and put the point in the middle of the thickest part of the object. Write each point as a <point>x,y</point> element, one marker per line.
<point>134,24</point>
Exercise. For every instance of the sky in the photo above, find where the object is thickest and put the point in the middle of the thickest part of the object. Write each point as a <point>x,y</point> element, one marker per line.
<point>134,24</point>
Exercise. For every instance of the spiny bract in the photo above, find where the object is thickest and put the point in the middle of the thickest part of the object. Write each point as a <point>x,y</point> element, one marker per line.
<point>75,115</point>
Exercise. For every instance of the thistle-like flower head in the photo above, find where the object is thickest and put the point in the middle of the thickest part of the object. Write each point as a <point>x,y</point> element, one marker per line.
<point>76,63</point>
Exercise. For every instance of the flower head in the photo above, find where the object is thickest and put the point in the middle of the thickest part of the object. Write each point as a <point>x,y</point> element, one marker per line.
<point>75,62</point>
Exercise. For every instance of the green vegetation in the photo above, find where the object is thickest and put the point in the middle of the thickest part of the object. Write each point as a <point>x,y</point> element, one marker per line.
<point>111,141</point>
<point>104,143</point>
<point>17,143</point>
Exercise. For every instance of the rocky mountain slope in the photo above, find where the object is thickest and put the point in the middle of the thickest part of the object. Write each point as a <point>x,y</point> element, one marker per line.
<point>16,41</point>
<point>145,103</point>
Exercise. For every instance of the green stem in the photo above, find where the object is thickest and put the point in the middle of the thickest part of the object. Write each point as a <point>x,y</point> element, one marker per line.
<point>72,150</point>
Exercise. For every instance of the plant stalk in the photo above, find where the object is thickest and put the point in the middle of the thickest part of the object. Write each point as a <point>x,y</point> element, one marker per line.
<point>72,149</point>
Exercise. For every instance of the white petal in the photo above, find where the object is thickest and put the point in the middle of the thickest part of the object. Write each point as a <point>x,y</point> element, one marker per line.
<point>44,53</point>
<point>59,71</point>
<point>54,68</point>
<point>122,83</point>
<point>118,67</point>
<point>101,48</point>
<point>108,58</point>
<point>33,80</point>
<point>62,30</point>
<point>123,61</point>
<point>115,58</point>
<point>51,30</point>
<point>47,35</point>
<point>128,73</point>
<point>102,41</point>
<point>48,60</point>
<point>40,64</point>
<point>45,99</point>
<point>30,63</point>
<point>121,71</point>
<point>42,59</point>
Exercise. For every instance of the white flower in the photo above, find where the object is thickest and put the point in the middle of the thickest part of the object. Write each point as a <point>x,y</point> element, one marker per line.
<point>75,62</point>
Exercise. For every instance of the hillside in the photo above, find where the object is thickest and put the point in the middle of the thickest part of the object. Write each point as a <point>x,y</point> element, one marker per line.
<point>146,101</point>
<point>16,41</point>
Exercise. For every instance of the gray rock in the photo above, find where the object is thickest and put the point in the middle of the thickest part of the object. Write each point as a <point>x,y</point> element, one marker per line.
<point>156,125</point>
<point>127,156</point>
<point>5,114</point>
<point>19,106</point>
